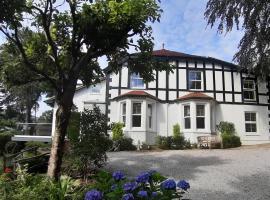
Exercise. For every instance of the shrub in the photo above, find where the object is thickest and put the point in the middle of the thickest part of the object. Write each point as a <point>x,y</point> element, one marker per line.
<point>31,144</point>
<point>126,144</point>
<point>230,141</point>
<point>226,128</point>
<point>89,149</point>
<point>117,131</point>
<point>176,131</point>
<point>5,137</point>
<point>147,185</point>
<point>164,142</point>
<point>73,129</point>
<point>178,142</point>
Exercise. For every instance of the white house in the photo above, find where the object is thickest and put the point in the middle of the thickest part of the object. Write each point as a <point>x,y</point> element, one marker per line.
<point>198,94</point>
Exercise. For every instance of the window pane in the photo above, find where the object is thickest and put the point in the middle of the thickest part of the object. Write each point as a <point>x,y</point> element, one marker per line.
<point>200,110</point>
<point>136,108</point>
<point>186,111</point>
<point>249,84</point>
<point>249,95</point>
<point>192,85</point>
<point>200,122</point>
<point>150,121</point>
<point>187,123</point>
<point>136,121</point>
<point>124,108</point>
<point>149,109</point>
<point>124,119</point>
<point>136,81</point>
<point>247,116</point>
<point>251,127</point>
<point>198,85</point>
<point>252,116</point>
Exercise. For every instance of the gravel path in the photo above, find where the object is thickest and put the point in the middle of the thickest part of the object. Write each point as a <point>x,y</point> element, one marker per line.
<point>235,174</point>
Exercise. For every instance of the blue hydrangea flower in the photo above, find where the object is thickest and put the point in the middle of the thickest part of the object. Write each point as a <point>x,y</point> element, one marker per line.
<point>118,175</point>
<point>130,186</point>
<point>169,184</point>
<point>143,177</point>
<point>113,187</point>
<point>128,196</point>
<point>93,195</point>
<point>183,185</point>
<point>154,194</point>
<point>142,194</point>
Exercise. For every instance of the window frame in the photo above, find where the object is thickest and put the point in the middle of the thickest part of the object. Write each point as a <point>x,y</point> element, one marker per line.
<point>136,114</point>
<point>136,77</point>
<point>251,122</point>
<point>195,80</point>
<point>123,115</point>
<point>249,89</point>
<point>186,117</point>
<point>150,116</point>
<point>200,116</point>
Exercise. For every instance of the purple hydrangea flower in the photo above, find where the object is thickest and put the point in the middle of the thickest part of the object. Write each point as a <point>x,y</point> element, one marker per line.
<point>142,194</point>
<point>183,185</point>
<point>113,187</point>
<point>118,175</point>
<point>128,196</point>
<point>93,195</point>
<point>143,177</point>
<point>130,186</point>
<point>154,194</point>
<point>169,184</point>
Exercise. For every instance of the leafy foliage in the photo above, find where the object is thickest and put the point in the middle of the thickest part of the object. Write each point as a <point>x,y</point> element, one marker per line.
<point>176,131</point>
<point>230,141</point>
<point>46,117</point>
<point>73,129</point>
<point>226,128</point>
<point>147,185</point>
<point>171,142</point>
<point>117,131</point>
<point>253,17</point>
<point>126,144</point>
<point>89,149</point>
<point>5,137</point>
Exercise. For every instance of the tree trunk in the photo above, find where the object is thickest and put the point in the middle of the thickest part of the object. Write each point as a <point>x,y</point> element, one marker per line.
<point>61,123</point>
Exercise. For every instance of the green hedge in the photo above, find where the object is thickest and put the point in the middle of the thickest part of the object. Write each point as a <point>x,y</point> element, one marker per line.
<point>230,141</point>
<point>126,144</point>
<point>171,142</point>
<point>5,137</point>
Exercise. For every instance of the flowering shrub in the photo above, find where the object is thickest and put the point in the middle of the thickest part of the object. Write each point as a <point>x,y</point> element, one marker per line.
<point>147,185</point>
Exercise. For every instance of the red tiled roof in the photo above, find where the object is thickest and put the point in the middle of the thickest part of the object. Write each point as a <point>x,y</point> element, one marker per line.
<point>168,53</point>
<point>135,93</point>
<point>195,95</point>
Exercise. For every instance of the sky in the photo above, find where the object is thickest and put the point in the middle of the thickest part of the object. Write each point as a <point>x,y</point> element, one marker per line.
<point>183,28</point>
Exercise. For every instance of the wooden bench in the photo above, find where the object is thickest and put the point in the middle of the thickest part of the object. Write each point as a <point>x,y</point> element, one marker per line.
<point>209,142</point>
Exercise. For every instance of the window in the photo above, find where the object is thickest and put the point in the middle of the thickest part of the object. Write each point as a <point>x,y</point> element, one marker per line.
<point>95,89</point>
<point>195,80</point>
<point>123,112</point>
<point>249,90</point>
<point>136,81</point>
<point>200,116</point>
<point>150,113</point>
<point>187,116</point>
<point>136,114</point>
<point>250,122</point>
<point>90,106</point>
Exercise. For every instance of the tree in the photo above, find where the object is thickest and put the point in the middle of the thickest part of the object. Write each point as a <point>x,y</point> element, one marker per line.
<point>253,16</point>
<point>65,40</point>
<point>46,116</point>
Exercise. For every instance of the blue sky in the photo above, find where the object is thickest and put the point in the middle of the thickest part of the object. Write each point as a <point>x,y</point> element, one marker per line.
<point>183,28</point>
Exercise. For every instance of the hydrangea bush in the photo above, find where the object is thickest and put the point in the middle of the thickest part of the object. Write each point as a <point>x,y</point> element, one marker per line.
<point>147,185</point>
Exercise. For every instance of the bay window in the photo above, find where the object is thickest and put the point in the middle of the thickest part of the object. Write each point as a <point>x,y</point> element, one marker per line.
<point>200,116</point>
<point>187,116</point>
<point>123,112</point>
<point>136,114</point>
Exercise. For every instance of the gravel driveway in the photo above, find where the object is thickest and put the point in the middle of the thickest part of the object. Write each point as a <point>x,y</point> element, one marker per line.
<point>242,173</point>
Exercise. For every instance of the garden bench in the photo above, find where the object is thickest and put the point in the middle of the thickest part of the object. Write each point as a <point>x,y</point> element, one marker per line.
<point>208,142</point>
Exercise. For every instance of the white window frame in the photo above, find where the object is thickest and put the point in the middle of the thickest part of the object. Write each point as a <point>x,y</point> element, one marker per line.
<point>150,116</point>
<point>200,116</point>
<point>136,77</point>
<point>249,90</point>
<point>195,80</point>
<point>251,122</point>
<point>136,114</point>
<point>188,116</point>
<point>123,115</point>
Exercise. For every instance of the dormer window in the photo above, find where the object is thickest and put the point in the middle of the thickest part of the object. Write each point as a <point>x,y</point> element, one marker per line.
<point>195,80</point>
<point>136,81</point>
<point>249,90</point>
